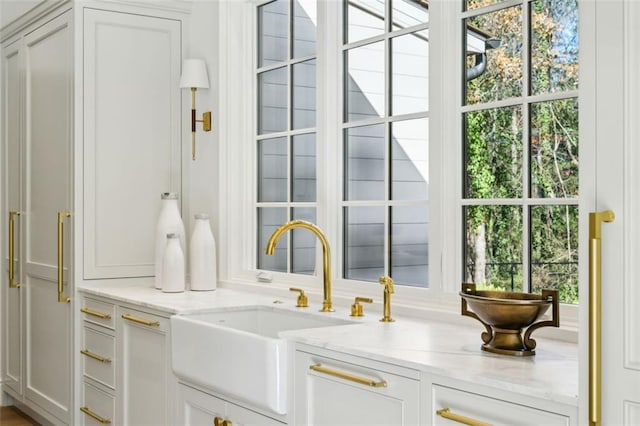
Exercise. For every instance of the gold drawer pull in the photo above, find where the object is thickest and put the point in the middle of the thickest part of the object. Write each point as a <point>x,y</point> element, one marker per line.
<point>12,260</point>
<point>447,414</point>
<point>141,320</point>
<point>61,216</point>
<point>94,356</point>
<point>595,313</point>
<point>217,421</point>
<point>90,413</point>
<point>347,376</point>
<point>95,313</point>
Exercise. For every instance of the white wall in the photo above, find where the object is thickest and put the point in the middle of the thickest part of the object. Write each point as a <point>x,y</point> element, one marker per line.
<point>200,177</point>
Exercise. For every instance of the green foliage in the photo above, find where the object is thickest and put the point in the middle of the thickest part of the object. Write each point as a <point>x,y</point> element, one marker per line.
<point>494,152</point>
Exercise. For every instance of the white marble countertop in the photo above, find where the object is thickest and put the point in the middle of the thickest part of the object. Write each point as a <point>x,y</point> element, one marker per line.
<point>433,347</point>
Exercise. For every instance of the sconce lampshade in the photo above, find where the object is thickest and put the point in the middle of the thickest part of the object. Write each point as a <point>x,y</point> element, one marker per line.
<point>194,74</point>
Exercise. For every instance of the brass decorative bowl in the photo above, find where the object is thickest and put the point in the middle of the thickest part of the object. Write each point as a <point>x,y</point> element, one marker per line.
<point>506,314</point>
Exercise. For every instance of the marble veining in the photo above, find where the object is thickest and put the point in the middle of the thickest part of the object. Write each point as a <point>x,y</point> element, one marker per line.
<point>432,347</point>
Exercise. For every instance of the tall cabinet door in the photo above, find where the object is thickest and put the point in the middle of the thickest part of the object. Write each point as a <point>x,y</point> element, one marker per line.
<point>610,93</point>
<point>12,89</point>
<point>131,137</point>
<point>47,192</point>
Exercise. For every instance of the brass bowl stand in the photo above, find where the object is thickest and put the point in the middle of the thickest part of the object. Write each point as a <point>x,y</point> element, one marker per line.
<point>506,314</point>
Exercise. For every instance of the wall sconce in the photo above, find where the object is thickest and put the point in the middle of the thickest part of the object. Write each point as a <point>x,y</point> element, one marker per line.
<point>194,76</point>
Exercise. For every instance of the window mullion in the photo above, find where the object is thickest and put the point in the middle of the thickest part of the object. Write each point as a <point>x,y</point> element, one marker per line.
<point>526,149</point>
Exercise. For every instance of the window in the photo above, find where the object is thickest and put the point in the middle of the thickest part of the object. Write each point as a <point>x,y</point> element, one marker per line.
<point>286,136</point>
<point>512,140</point>
<point>520,192</point>
<point>385,141</point>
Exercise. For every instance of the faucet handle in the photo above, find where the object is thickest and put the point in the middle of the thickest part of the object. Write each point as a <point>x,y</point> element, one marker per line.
<point>303,302</point>
<point>357,309</point>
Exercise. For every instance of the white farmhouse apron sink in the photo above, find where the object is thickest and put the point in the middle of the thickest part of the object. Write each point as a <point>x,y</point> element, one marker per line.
<point>237,352</point>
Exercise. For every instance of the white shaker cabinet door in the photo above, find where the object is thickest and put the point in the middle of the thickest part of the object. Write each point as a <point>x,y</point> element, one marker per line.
<point>12,98</point>
<point>332,391</point>
<point>146,385</point>
<point>131,143</point>
<point>47,191</point>
<point>610,105</point>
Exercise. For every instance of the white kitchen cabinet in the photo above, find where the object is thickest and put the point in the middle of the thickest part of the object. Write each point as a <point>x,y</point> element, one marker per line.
<point>38,112</point>
<point>336,389</point>
<point>455,402</point>
<point>131,137</point>
<point>197,408</point>
<point>90,138</point>
<point>12,307</point>
<point>126,365</point>
<point>98,362</point>
<point>146,383</point>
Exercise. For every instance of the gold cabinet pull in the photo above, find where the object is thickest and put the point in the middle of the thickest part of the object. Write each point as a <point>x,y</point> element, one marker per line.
<point>595,308</point>
<point>217,421</point>
<point>448,414</point>
<point>140,320</point>
<point>61,217</point>
<point>97,357</point>
<point>90,413</point>
<point>348,376</point>
<point>95,313</point>
<point>12,282</point>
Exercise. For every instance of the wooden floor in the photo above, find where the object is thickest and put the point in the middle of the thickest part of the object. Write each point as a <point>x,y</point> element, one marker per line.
<point>11,416</point>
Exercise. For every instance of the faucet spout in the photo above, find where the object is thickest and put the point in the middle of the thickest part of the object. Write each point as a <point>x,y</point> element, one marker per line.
<point>326,255</point>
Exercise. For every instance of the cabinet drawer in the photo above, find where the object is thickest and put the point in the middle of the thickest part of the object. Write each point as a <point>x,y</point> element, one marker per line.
<point>97,356</point>
<point>325,386</point>
<point>97,407</point>
<point>98,312</point>
<point>486,410</point>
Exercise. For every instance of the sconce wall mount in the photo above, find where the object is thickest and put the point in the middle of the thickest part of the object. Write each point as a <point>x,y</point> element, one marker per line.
<point>194,76</point>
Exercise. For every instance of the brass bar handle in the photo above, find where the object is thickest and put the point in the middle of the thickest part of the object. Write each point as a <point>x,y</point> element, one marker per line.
<point>97,357</point>
<point>348,376</point>
<point>141,320</point>
<point>12,260</point>
<point>595,309</point>
<point>95,313</point>
<point>217,421</point>
<point>61,217</point>
<point>90,413</point>
<point>448,414</point>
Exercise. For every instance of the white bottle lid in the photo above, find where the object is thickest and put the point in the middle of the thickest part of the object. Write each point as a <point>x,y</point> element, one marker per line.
<point>172,235</point>
<point>201,216</point>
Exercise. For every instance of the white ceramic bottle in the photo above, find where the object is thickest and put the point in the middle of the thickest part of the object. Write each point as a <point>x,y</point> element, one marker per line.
<point>169,221</point>
<point>173,265</point>
<point>202,263</point>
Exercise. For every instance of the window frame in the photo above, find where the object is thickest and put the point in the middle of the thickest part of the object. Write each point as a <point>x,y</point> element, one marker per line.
<point>237,134</point>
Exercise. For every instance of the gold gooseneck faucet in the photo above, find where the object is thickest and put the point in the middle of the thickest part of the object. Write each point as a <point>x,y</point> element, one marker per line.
<point>387,282</point>
<point>326,256</point>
